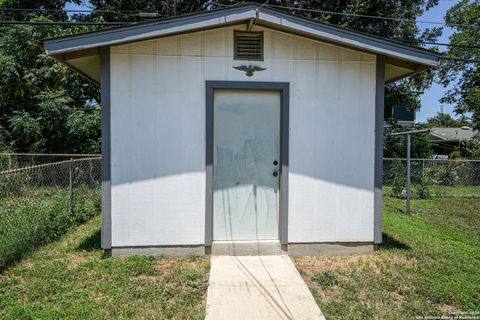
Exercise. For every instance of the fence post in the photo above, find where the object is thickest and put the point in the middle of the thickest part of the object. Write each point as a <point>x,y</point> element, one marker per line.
<point>408,172</point>
<point>409,142</point>
<point>423,170</point>
<point>71,185</point>
<point>9,162</point>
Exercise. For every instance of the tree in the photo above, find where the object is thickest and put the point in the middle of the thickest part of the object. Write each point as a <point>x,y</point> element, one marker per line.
<point>463,76</point>
<point>46,107</point>
<point>396,146</point>
<point>129,10</point>
<point>348,14</point>
<point>473,148</point>
<point>39,96</point>
<point>446,120</point>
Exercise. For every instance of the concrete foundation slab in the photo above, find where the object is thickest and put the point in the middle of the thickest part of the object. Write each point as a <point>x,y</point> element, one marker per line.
<point>330,249</point>
<point>258,287</point>
<point>249,248</point>
<point>246,248</point>
<point>165,251</point>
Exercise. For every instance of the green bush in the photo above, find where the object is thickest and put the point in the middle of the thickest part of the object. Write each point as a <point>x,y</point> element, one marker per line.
<point>28,222</point>
<point>446,174</point>
<point>13,184</point>
<point>87,204</point>
<point>422,191</point>
<point>399,179</point>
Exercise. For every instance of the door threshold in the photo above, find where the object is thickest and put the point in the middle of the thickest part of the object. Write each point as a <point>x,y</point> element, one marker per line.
<point>247,248</point>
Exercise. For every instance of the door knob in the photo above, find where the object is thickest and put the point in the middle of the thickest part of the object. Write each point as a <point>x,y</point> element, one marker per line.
<point>275,174</point>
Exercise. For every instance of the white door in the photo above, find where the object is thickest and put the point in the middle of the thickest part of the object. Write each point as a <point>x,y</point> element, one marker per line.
<point>246,164</point>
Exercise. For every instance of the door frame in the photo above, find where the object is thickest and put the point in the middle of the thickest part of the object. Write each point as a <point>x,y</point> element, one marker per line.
<point>283,88</point>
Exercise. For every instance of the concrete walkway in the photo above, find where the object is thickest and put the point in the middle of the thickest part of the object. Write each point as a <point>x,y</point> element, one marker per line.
<point>258,287</point>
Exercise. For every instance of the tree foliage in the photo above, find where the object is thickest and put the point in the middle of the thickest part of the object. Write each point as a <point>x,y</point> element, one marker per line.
<point>128,10</point>
<point>348,14</point>
<point>345,14</point>
<point>396,146</point>
<point>463,77</point>
<point>447,121</point>
<point>39,95</point>
<point>473,148</point>
<point>47,107</point>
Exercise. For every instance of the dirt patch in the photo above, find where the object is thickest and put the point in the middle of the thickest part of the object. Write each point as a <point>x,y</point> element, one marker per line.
<point>446,309</point>
<point>167,265</point>
<point>310,265</point>
<point>101,298</point>
<point>379,264</point>
<point>163,266</point>
<point>28,264</point>
<point>74,261</point>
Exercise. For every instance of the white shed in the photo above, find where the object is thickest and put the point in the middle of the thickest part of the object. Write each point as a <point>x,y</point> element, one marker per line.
<point>243,131</point>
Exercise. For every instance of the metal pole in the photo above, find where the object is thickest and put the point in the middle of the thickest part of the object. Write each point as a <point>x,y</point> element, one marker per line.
<point>423,171</point>
<point>71,185</point>
<point>408,172</point>
<point>409,134</point>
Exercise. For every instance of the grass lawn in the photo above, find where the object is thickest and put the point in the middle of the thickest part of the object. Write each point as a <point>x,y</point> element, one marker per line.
<point>460,191</point>
<point>429,264</point>
<point>70,279</point>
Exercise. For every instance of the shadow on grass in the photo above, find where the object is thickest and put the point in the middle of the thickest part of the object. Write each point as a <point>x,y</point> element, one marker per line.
<point>9,260</point>
<point>397,208</point>
<point>391,243</point>
<point>91,243</point>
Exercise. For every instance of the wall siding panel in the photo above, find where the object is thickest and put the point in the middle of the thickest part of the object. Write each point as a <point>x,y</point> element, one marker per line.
<point>158,135</point>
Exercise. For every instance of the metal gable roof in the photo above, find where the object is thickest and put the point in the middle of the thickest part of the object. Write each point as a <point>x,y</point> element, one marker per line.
<point>217,18</point>
<point>81,51</point>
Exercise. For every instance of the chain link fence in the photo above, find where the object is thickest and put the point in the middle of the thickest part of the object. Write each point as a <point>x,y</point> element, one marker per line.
<point>10,161</point>
<point>40,202</point>
<point>42,196</point>
<point>452,183</point>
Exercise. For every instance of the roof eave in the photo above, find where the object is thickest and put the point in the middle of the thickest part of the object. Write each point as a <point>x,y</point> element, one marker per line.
<point>236,15</point>
<point>409,74</point>
<point>144,31</point>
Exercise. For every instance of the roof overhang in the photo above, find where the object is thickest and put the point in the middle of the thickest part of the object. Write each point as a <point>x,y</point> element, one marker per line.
<point>81,53</point>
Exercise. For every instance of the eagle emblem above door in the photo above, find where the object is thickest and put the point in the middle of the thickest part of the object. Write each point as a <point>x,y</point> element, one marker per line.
<point>249,70</point>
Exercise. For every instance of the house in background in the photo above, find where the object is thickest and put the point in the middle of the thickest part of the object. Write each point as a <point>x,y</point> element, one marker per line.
<point>446,140</point>
<point>404,116</point>
<point>401,115</point>
<point>217,132</point>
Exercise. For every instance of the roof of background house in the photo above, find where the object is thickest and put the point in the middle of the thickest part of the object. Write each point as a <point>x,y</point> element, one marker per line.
<point>81,51</point>
<point>452,134</point>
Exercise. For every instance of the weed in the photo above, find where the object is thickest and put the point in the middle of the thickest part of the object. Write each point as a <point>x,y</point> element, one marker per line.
<point>326,279</point>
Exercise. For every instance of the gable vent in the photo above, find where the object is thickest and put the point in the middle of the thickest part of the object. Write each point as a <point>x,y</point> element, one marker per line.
<point>248,45</point>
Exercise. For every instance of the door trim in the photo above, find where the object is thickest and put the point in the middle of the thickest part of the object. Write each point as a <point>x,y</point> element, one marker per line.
<point>283,88</point>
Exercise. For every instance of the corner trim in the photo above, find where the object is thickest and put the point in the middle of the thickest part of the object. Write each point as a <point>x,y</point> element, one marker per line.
<point>378,168</point>
<point>106,156</point>
<point>283,87</point>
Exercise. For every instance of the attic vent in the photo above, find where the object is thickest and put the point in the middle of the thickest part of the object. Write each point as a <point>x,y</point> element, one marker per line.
<point>248,45</point>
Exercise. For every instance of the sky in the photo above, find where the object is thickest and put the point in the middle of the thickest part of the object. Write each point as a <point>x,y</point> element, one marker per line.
<point>429,100</point>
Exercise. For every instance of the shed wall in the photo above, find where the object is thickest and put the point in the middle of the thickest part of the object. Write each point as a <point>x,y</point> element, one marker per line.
<point>158,135</point>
